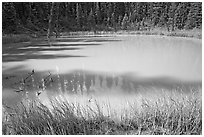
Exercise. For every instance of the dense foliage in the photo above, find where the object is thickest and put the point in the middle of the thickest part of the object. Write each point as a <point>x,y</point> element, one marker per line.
<point>18,17</point>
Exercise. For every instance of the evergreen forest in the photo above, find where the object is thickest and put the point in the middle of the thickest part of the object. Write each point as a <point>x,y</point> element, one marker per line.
<point>39,17</point>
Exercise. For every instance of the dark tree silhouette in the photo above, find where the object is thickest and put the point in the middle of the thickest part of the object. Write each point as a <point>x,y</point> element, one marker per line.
<point>42,18</point>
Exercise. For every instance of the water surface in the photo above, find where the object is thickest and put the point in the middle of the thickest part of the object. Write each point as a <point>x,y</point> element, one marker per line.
<point>114,64</point>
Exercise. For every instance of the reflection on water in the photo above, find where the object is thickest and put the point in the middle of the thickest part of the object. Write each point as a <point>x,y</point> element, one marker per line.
<point>90,84</point>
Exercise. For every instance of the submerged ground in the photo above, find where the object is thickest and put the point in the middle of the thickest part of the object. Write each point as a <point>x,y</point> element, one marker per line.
<point>116,70</point>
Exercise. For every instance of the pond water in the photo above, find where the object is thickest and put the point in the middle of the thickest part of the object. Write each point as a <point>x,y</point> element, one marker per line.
<point>96,66</point>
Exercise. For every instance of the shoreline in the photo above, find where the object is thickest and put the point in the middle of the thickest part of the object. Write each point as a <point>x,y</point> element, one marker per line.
<point>17,38</point>
<point>182,33</point>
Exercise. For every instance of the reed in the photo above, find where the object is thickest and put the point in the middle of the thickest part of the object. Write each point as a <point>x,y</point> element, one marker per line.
<point>167,115</point>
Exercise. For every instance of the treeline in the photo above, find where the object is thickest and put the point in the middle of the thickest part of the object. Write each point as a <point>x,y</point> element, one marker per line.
<point>18,17</point>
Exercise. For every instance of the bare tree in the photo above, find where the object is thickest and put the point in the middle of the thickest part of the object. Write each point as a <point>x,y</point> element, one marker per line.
<point>50,23</point>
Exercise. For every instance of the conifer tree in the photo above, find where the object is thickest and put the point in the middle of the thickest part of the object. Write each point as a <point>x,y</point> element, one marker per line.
<point>9,19</point>
<point>124,22</point>
<point>97,13</point>
<point>172,16</point>
<point>194,16</point>
<point>91,21</point>
<point>78,15</point>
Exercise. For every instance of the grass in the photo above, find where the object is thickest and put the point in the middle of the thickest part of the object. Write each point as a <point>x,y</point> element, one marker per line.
<point>195,33</point>
<point>169,114</point>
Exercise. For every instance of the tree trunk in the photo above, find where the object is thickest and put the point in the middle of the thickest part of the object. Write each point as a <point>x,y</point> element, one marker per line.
<point>50,23</point>
<point>57,22</point>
